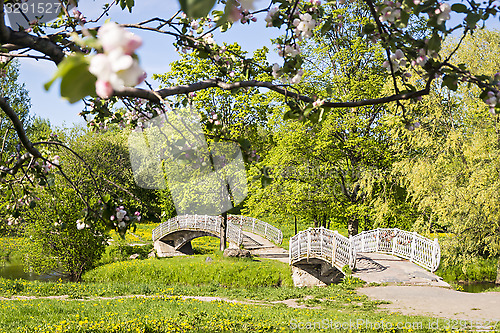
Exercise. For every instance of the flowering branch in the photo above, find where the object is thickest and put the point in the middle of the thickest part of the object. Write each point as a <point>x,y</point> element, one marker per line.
<point>217,83</point>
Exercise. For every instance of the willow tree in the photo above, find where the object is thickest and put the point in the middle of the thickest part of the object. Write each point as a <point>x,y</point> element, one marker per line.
<point>451,163</point>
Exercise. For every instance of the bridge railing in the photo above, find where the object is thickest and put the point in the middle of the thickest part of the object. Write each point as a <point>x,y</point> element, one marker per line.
<point>259,227</point>
<point>190,222</point>
<point>401,243</point>
<point>324,244</point>
<point>235,225</point>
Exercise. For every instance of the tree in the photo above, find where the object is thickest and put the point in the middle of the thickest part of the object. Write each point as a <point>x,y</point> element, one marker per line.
<point>450,162</point>
<point>322,166</point>
<point>56,240</point>
<point>19,101</point>
<point>110,76</point>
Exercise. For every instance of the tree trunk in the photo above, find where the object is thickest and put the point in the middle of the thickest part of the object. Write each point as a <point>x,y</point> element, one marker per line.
<point>315,219</point>
<point>498,273</point>
<point>296,229</point>
<point>223,232</point>
<point>352,226</point>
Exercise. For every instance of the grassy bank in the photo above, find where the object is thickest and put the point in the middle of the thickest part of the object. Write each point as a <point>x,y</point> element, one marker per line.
<point>478,269</point>
<point>174,314</point>
<point>163,311</point>
<point>196,270</point>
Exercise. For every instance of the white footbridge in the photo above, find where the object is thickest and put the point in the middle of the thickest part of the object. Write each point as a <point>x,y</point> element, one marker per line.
<point>320,244</point>
<point>340,251</point>
<point>205,225</point>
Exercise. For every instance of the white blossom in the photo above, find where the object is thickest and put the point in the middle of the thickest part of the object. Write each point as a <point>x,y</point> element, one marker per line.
<point>116,68</point>
<point>443,13</point>
<point>296,79</point>
<point>270,16</point>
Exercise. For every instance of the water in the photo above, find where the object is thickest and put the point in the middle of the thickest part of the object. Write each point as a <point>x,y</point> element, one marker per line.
<point>14,270</point>
<point>477,287</point>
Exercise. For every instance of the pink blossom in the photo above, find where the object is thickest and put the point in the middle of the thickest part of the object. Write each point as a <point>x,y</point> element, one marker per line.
<point>235,14</point>
<point>104,89</point>
<point>112,37</point>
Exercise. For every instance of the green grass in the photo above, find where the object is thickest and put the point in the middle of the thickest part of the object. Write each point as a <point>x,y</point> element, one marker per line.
<point>173,314</point>
<point>194,270</point>
<point>163,311</point>
<point>10,288</point>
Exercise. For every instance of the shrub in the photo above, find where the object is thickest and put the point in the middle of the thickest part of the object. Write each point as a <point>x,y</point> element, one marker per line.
<point>53,240</point>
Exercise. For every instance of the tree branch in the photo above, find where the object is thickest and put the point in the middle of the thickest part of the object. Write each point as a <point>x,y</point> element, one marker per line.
<point>18,126</point>
<point>216,83</point>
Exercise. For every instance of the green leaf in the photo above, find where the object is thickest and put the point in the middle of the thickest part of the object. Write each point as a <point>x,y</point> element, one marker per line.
<point>435,43</point>
<point>266,181</point>
<point>78,83</point>
<point>106,198</point>
<point>127,3</point>
<point>405,17</point>
<point>244,143</point>
<point>196,8</point>
<point>451,82</point>
<point>326,26</point>
<point>459,8</point>
<point>472,19</point>
<point>64,67</point>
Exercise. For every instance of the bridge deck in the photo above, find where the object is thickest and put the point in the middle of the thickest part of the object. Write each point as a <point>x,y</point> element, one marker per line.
<point>266,249</point>
<point>384,268</point>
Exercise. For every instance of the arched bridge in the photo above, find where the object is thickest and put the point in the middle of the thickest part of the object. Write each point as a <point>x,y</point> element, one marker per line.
<point>175,235</point>
<point>318,250</point>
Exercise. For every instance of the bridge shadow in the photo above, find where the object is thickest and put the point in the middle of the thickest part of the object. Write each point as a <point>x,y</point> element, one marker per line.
<point>366,264</point>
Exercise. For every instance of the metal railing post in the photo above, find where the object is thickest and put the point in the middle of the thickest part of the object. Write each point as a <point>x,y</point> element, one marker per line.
<point>412,254</point>
<point>434,254</point>
<point>321,242</point>
<point>394,243</point>
<point>308,245</point>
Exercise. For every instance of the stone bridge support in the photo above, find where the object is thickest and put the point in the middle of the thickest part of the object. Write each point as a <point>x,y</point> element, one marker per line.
<point>179,243</point>
<point>315,272</point>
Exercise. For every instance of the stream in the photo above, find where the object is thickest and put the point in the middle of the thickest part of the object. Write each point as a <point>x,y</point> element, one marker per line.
<point>14,270</point>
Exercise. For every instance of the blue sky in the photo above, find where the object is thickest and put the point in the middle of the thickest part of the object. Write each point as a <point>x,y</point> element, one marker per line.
<point>155,55</point>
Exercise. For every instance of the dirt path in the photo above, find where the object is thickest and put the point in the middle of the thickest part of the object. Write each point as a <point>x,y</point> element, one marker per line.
<point>292,303</point>
<point>437,302</point>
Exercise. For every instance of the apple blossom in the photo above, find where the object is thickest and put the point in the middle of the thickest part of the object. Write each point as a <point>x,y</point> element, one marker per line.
<point>235,14</point>
<point>120,213</point>
<point>318,103</point>
<point>391,12</point>
<point>270,16</point>
<point>104,89</point>
<point>209,38</point>
<point>292,50</point>
<point>276,68</point>
<point>194,24</point>
<point>296,79</point>
<point>80,225</point>
<point>113,37</point>
<point>443,13</point>
<point>304,25</point>
<point>116,68</point>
